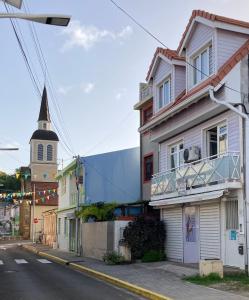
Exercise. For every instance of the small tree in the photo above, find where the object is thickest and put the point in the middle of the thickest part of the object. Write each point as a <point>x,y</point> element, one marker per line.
<point>144,235</point>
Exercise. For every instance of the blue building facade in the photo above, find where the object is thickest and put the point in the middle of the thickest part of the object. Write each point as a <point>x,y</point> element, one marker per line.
<point>112,177</point>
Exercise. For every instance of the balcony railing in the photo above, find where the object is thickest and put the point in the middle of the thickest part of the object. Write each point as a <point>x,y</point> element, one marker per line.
<point>146,92</point>
<point>205,172</point>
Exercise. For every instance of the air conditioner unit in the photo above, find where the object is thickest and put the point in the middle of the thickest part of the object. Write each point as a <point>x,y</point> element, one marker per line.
<point>192,153</point>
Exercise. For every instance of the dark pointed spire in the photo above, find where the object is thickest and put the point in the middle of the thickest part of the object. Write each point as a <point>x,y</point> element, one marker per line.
<point>44,110</point>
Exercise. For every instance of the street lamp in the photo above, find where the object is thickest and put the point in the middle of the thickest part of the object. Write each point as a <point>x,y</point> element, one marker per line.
<point>9,149</point>
<point>57,20</point>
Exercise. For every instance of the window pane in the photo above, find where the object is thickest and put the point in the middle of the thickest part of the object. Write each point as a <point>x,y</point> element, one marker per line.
<point>232,220</point>
<point>181,158</point>
<point>223,139</point>
<point>148,167</point>
<point>160,100</point>
<point>204,64</point>
<point>197,74</point>
<point>166,92</point>
<point>174,161</point>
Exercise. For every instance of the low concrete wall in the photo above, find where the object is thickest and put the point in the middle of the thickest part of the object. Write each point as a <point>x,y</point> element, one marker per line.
<point>101,237</point>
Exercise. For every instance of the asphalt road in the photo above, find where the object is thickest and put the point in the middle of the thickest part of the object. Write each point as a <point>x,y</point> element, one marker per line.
<point>26,276</point>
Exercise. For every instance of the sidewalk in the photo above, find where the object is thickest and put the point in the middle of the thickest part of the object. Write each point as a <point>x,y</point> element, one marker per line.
<point>161,277</point>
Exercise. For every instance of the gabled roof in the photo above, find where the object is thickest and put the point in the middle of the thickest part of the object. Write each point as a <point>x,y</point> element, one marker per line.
<point>209,17</point>
<point>214,80</point>
<point>44,110</point>
<point>168,53</point>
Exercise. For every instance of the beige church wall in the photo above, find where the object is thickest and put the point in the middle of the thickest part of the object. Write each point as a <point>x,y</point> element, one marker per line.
<point>37,171</point>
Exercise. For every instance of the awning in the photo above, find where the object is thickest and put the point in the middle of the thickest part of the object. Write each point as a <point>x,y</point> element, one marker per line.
<point>71,215</point>
<point>186,199</point>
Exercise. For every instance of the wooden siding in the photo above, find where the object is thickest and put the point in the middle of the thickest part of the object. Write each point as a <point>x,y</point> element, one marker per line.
<point>180,80</point>
<point>200,35</point>
<point>227,44</point>
<point>210,231</point>
<point>195,137</point>
<point>163,70</point>
<point>174,235</point>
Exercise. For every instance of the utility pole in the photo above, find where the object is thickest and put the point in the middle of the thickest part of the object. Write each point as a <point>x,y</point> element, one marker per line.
<point>33,223</point>
<point>78,238</point>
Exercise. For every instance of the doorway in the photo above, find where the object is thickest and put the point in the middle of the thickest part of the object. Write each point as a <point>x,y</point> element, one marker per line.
<point>191,234</point>
<point>72,231</point>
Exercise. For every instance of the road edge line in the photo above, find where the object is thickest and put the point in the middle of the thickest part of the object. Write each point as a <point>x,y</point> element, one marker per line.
<point>110,279</point>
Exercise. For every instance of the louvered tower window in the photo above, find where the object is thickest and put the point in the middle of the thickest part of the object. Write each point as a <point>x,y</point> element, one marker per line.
<point>49,152</point>
<point>40,152</point>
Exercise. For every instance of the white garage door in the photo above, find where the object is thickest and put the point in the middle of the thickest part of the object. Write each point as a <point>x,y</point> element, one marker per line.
<point>210,231</point>
<point>174,237</point>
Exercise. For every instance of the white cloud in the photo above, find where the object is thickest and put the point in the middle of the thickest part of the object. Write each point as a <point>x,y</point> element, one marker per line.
<point>87,87</point>
<point>120,93</point>
<point>64,89</point>
<point>83,36</point>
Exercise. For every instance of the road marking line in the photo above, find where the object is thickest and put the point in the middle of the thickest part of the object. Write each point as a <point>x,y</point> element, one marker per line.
<point>1,262</point>
<point>21,261</point>
<point>44,261</point>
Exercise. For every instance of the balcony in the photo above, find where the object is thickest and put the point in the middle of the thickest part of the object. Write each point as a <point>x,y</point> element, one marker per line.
<point>145,92</point>
<point>205,175</point>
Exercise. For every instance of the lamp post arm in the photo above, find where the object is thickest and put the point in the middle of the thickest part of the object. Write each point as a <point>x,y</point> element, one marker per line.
<point>49,19</point>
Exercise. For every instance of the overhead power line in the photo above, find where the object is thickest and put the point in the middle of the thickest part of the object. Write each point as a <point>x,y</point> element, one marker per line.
<point>48,79</point>
<point>166,47</point>
<point>33,75</point>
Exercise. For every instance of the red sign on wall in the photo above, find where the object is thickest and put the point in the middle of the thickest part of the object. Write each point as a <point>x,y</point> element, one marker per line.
<point>35,220</point>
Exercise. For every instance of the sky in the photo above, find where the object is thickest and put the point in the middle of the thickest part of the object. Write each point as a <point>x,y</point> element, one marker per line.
<point>94,67</point>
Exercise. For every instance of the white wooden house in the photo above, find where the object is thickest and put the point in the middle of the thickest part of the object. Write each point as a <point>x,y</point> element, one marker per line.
<point>199,183</point>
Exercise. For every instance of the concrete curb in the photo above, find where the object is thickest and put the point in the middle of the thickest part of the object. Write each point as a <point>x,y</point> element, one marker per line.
<point>115,281</point>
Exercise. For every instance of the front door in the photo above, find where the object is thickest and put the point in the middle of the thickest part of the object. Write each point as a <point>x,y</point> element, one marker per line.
<point>72,230</point>
<point>191,234</point>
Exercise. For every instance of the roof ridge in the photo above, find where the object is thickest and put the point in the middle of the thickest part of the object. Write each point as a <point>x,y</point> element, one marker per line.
<point>212,17</point>
<point>167,52</point>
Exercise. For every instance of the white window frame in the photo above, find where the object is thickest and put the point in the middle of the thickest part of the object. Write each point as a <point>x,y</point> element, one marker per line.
<point>218,125</point>
<point>195,72</point>
<point>162,85</point>
<point>178,151</point>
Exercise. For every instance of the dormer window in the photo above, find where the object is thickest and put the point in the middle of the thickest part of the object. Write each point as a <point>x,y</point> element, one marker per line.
<point>164,94</point>
<point>202,65</point>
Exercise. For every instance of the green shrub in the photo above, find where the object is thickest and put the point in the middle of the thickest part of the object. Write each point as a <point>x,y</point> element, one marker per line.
<point>153,255</point>
<point>143,235</point>
<point>113,258</point>
<point>98,212</point>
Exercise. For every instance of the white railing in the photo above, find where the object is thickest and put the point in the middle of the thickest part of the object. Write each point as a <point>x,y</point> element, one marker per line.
<point>146,92</point>
<point>205,172</point>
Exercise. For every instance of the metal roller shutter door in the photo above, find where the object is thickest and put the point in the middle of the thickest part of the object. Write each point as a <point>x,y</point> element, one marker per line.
<point>174,237</point>
<point>210,231</point>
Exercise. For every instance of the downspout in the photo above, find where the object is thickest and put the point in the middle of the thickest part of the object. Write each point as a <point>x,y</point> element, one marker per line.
<point>245,136</point>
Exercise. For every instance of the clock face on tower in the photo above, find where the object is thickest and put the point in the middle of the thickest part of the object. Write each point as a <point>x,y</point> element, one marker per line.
<point>45,175</point>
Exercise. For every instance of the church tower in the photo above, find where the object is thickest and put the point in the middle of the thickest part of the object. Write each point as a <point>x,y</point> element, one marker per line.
<point>43,147</point>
